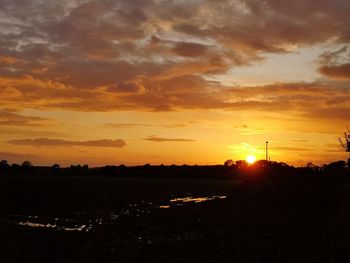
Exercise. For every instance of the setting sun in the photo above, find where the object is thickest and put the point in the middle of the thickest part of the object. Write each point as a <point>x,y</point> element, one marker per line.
<point>251,159</point>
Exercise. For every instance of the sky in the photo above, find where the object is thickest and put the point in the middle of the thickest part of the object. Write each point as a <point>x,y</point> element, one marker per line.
<point>172,82</point>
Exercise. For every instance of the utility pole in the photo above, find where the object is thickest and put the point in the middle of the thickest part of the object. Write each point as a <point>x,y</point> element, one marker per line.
<point>267,151</point>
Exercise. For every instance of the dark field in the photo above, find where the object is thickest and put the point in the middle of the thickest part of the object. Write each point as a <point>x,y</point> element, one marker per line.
<point>90,219</point>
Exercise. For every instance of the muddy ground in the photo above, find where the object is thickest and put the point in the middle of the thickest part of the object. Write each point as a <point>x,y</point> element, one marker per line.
<point>90,219</point>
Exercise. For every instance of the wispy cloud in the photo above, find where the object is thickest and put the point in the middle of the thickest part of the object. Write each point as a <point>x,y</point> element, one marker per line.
<point>143,125</point>
<point>161,139</point>
<point>8,118</point>
<point>332,147</point>
<point>127,125</point>
<point>291,149</point>
<point>41,142</point>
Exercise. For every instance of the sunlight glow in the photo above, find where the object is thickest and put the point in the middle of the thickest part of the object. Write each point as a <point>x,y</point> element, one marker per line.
<point>251,159</point>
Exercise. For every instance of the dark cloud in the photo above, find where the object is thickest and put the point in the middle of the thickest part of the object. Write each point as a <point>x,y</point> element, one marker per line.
<point>336,72</point>
<point>119,143</point>
<point>125,87</point>
<point>160,139</point>
<point>336,64</point>
<point>189,49</point>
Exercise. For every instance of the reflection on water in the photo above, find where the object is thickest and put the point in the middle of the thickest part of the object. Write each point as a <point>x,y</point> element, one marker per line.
<point>197,199</point>
<point>190,199</point>
<point>31,224</point>
<point>80,223</point>
<point>55,226</point>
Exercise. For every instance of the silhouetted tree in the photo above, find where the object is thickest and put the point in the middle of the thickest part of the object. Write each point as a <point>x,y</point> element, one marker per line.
<point>346,143</point>
<point>55,169</point>
<point>84,169</point>
<point>261,163</point>
<point>335,168</point>
<point>27,167</point>
<point>56,166</point>
<point>241,164</point>
<point>228,163</point>
<point>27,164</point>
<point>15,168</point>
<point>310,165</point>
<point>4,164</point>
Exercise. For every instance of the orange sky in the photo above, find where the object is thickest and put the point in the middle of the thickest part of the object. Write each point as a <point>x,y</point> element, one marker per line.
<point>155,81</point>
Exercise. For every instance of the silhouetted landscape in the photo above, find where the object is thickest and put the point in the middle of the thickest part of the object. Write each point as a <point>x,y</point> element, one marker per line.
<point>265,212</point>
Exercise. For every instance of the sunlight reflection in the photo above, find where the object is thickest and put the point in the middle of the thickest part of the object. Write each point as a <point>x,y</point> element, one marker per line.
<point>196,199</point>
<point>50,226</point>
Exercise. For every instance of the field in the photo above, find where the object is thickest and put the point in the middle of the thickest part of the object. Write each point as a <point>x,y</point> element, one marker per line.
<point>105,219</point>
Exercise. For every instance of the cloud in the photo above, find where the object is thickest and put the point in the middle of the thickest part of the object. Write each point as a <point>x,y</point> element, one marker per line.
<point>189,49</point>
<point>318,100</point>
<point>127,88</point>
<point>175,125</point>
<point>143,125</point>
<point>8,118</point>
<point>336,72</point>
<point>101,55</point>
<point>334,148</point>
<point>17,131</point>
<point>336,64</point>
<point>126,125</point>
<point>291,149</point>
<point>43,142</point>
<point>160,139</point>
<point>7,60</point>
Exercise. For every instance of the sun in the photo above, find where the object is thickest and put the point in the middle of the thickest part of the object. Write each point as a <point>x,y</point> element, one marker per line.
<point>251,159</point>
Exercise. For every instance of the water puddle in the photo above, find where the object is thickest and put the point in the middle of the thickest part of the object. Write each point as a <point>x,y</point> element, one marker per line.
<point>55,226</point>
<point>80,222</point>
<point>36,225</point>
<point>190,199</point>
<point>196,199</point>
<point>51,223</point>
